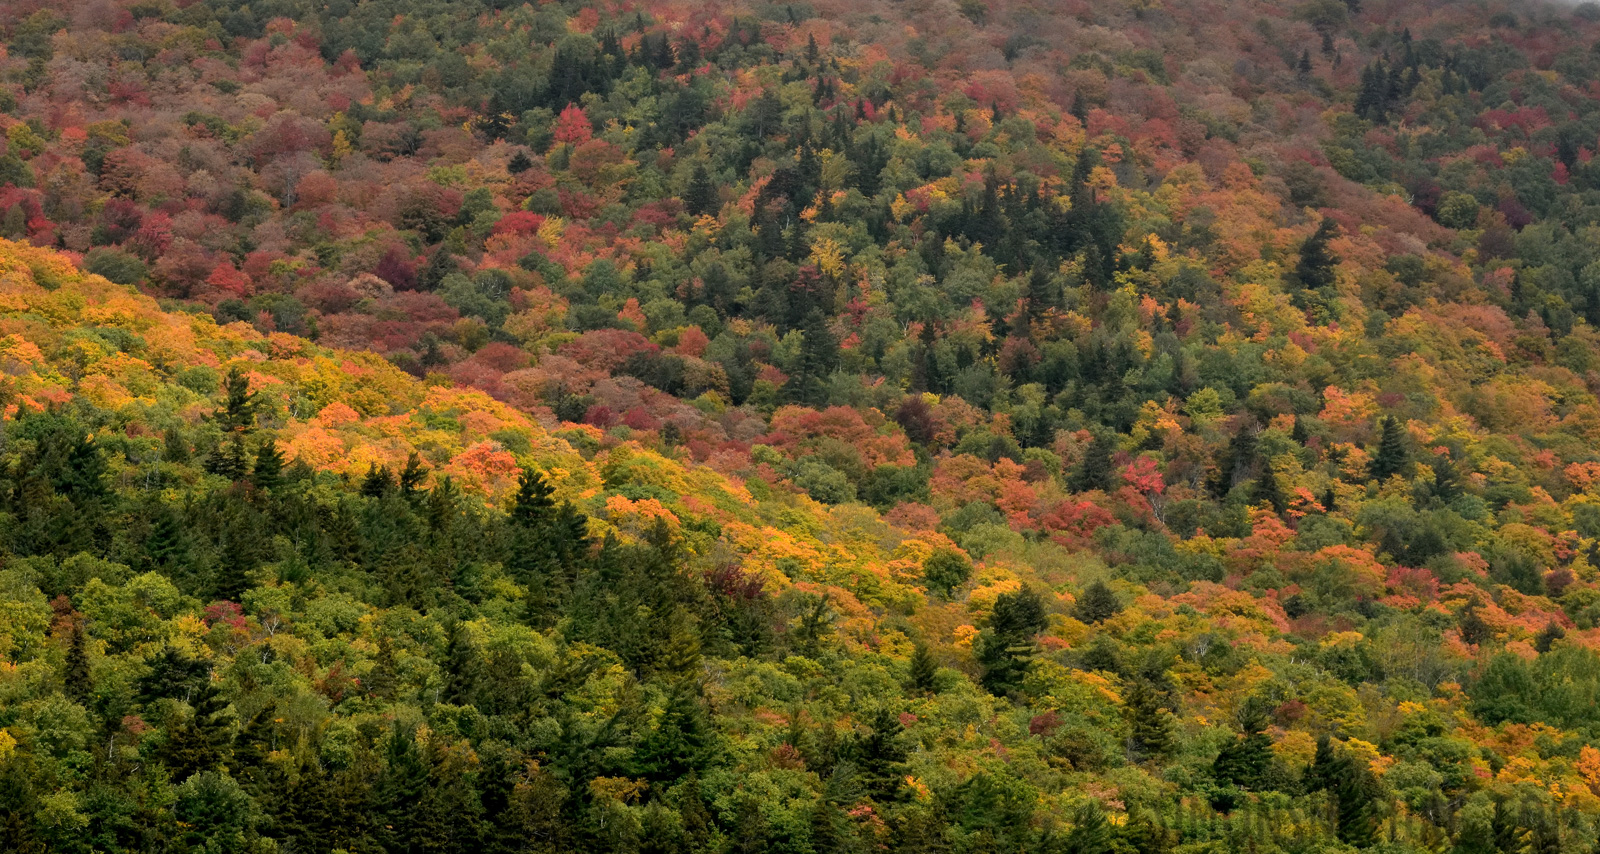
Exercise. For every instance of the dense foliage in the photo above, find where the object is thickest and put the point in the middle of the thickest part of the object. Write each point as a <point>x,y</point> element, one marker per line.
<point>819,427</point>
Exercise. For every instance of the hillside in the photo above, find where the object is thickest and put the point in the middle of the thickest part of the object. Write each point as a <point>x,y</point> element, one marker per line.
<point>896,425</point>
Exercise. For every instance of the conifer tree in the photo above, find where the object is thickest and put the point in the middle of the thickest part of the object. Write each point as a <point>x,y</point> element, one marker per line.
<point>701,197</point>
<point>412,477</point>
<point>1149,725</point>
<point>383,679</point>
<point>1006,646</point>
<point>238,411</point>
<point>1094,470</point>
<point>1244,762</point>
<point>1315,269</point>
<point>1392,457</point>
<point>923,670</point>
<point>79,685</point>
<point>1091,833</point>
<point>1097,604</point>
<point>268,471</point>
<point>461,667</point>
<point>1268,492</point>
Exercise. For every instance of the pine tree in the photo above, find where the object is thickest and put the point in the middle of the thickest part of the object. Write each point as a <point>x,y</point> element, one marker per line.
<point>924,670</point>
<point>1315,269</point>
<point>1094,470</point>
<point>1473,628</point>
<point>1149,725</point>
<point>1244,762</point>
<point>701,197</point>
<point>1392,456</point>
<point>378,481</point>
<point>1268,492</point>
<point>412,477</point>
<point>461,667</point>
<point>1091,833</point>
<point>682,740</point>
<point>1237,461</point>
<point>268,471</point>
<point>1304,65</point>
<point>1006,646</point>
<point>383,679</point>
<point>1097,604</point>
<point>174,447</point>
<point>1547,638</point>
<point>239,410</point>
<point>164,545</point>
<point>519,163</point>
<point>79,684</point>
<point>819,355</point>
<point>231,460</point>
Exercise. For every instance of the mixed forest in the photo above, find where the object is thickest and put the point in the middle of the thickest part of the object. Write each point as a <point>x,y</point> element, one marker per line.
<point>818,427</point>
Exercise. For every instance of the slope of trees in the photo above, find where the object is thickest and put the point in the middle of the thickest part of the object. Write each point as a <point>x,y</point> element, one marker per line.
<point>815,427</point>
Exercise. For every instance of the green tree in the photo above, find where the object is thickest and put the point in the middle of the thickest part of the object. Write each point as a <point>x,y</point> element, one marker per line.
<point>946,569</point>
<point>1006,646</point>
<point>75,676</point>
<point>238,410</point>
<point>923,669</point>
<point>1094,470</point>
<point>1149,723</point>
<point>268,471</point>
<point>1392,457</point>
<point>1097,604</point>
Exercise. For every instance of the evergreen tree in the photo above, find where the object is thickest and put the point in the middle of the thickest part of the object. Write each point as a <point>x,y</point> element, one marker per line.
<point>1091,833</point>
<point>819,355</point>
<point>383,679</point>
<point>1006,646</point>
<point>1097,604</point>
<point>1314,271</point>
<point>1245,761</point>
<point>682,740</point>
<point>1094,470</point>
<point>76,678</point>
<point>1392,457</point>
<point>462,667</point>
<point>238,411</point>
<point>519,163</point>
<point>230,460</point>
<point>412,477</point>
<point>1149,725</point>
<point>1268,492</point>
<point>924,670</point>
<point>701,197</point>
<point>378,481</point>
<point>1237,461</point>
<point>1547,638</point>
<point>268,471</point>
<point>175,449</point>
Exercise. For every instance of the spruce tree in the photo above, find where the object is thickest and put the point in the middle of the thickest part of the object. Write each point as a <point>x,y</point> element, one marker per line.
<point>412,477</point>
<point>461,667</point>
<point>268,471</point>
<point>1314,270</point>
<point>923,670</point>
<point>1392,457</point>
<point>1268,492</point>
<point>1006,646</point>
<point>1244,762</point>
<point>1091,833</point>
<point>1149,725</point>
<point>383,679</point>
<point>230,460</point>
<point>1094,470</point>
<point>79,685</point>
<point>519,163</point>
<point>238,411</point>
<point>1097,604</point>
<point>701,197</point>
